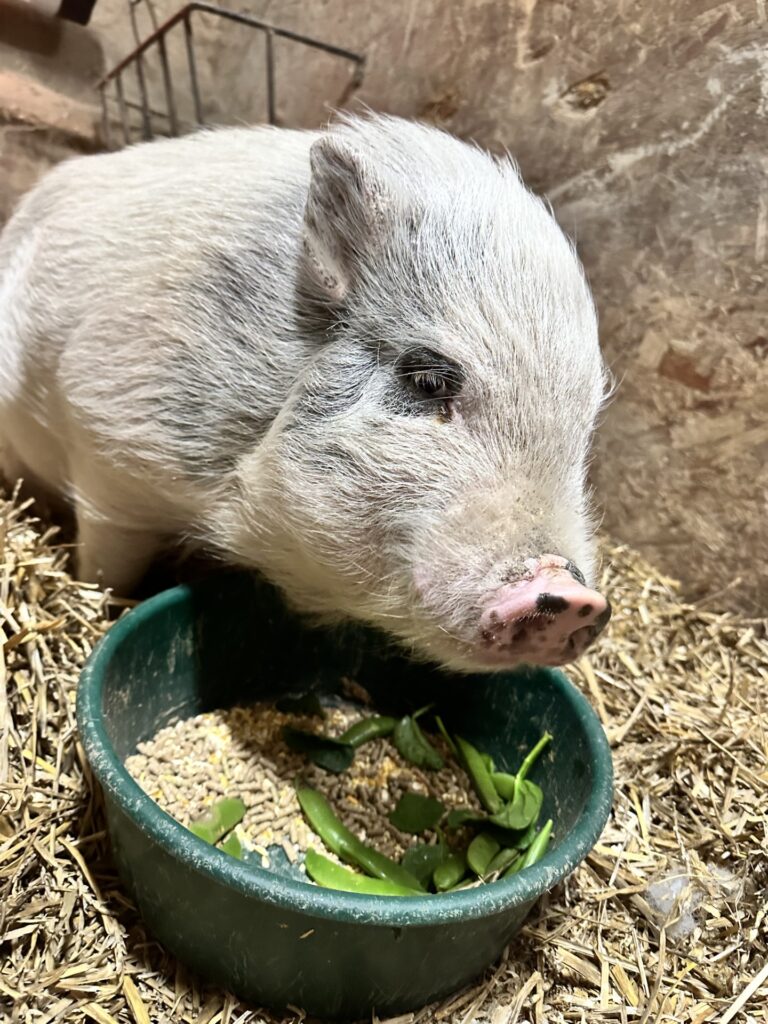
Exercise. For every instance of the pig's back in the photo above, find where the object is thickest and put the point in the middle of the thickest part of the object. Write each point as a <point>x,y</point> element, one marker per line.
<point>134,286</point>
<point>98,229</point>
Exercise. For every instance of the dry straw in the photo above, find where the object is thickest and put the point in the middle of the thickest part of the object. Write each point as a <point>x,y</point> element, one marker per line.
<point>666,921</point>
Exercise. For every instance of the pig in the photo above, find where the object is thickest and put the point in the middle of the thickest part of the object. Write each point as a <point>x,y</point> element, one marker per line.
<point>361,361</point>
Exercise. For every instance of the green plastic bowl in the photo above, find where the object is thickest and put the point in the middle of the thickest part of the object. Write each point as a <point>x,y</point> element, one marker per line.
<point>269,939</point>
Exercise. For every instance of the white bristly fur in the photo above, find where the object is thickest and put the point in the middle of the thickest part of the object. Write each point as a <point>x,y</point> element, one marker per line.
<point>198,339</point>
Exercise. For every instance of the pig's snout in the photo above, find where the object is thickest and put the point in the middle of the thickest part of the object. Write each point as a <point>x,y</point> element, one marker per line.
<point>548,618</point>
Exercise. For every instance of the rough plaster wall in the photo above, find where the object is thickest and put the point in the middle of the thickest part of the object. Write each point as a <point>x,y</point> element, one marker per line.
<point>646,125</point>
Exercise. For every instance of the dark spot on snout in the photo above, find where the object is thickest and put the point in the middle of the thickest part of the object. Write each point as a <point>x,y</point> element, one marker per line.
<point>585,611</point>
<point>576,572</point>
<point>551,604</point>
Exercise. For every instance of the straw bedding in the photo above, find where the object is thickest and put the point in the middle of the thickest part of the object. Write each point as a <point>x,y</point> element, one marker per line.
<point>666,921</point>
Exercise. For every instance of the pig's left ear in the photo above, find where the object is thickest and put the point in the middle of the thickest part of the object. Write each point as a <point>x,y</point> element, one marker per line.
<point>344,214</point>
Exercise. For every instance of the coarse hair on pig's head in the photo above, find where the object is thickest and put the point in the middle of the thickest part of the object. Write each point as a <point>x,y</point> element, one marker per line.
<point>428,470</point>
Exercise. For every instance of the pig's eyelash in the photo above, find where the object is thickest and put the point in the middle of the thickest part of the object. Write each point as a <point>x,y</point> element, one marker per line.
<point>429,376</point>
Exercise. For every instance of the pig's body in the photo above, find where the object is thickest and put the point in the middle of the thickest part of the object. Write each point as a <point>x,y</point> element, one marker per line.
<point>371,372</point>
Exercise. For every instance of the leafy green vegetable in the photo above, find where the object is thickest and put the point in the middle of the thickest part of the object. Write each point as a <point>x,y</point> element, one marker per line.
<point>538,847</point>
<point>416,813</point>
<point>503,859</point>
<point>479,775</point>
<point>414,746</point>
<point>368,729</point>
<point>515,866</point>
<point>304,704</point>
<point>333,876</point>
<point>338,838</point>
<point>323,751</point>
<point>504,783</point>
<point>221,818</point>
<point>528,761</point>
<point>446,736</point>
<point>232,846</point>
<point>450,872</point>
<point>523,809</point>
<point>535,851</point>
<point>461,816</point>
<point>423,860</point>
<point>490,767</point>
<point>524,840</point>
<point>481,852</point>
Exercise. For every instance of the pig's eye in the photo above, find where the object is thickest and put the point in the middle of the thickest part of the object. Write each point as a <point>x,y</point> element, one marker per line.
<point>428,376</point>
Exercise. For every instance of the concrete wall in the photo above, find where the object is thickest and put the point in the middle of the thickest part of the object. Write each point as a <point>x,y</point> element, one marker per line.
<point>646,126</point>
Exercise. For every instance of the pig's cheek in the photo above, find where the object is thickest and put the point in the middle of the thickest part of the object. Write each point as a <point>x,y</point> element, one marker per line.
<point>422,583</point>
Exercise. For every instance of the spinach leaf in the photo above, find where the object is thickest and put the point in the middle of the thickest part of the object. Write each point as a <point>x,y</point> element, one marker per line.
<point>329,754</point>
<point>221,818</point>
<point>423,860</point>
<point>522,809</point>
<point>413,745</point>
<point>416,813</point>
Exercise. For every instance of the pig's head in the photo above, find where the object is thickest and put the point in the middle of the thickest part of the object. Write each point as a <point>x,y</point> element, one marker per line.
<point>427,475</point>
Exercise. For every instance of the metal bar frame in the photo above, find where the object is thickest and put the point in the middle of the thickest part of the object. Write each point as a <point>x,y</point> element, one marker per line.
<point>157,38</point>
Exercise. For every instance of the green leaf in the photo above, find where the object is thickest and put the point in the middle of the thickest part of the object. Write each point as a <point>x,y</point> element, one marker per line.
<point>535,851</point>
<point>232,846</point>
<point>523,809</point>
<point>446,736</point>
<point>422,861</point>
<point>345,844</point>
<point>323,751</point>
<point>221,818</point>
<point>538,847</point>
<point>450,872</point>
<point>305,704</point>
<point>416,813</point>
<point>524,839</point>
<point>461,816</point>
<point>474,764</point>
<point>414,746</point>
<point>333,876</point>
<point>504,783</point>
<point>368,729</point>
<point>529,759</point>
<point>515,866</point>
<point>490,767</point>
<point>503,859</point>
<point>481,852</point>
<point>422,711</point>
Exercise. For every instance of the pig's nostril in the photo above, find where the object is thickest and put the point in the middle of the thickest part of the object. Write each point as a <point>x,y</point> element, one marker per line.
<point>551,604</point>
<point>585,611</point>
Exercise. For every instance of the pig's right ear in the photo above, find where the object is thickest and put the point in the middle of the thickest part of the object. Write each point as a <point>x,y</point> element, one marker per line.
<point>344,212</point>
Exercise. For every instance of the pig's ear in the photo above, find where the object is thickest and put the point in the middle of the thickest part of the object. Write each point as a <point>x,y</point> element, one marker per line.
<point>343,215</point>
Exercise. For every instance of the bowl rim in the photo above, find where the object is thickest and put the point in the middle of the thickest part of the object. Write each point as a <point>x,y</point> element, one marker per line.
<point>263,885</point>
